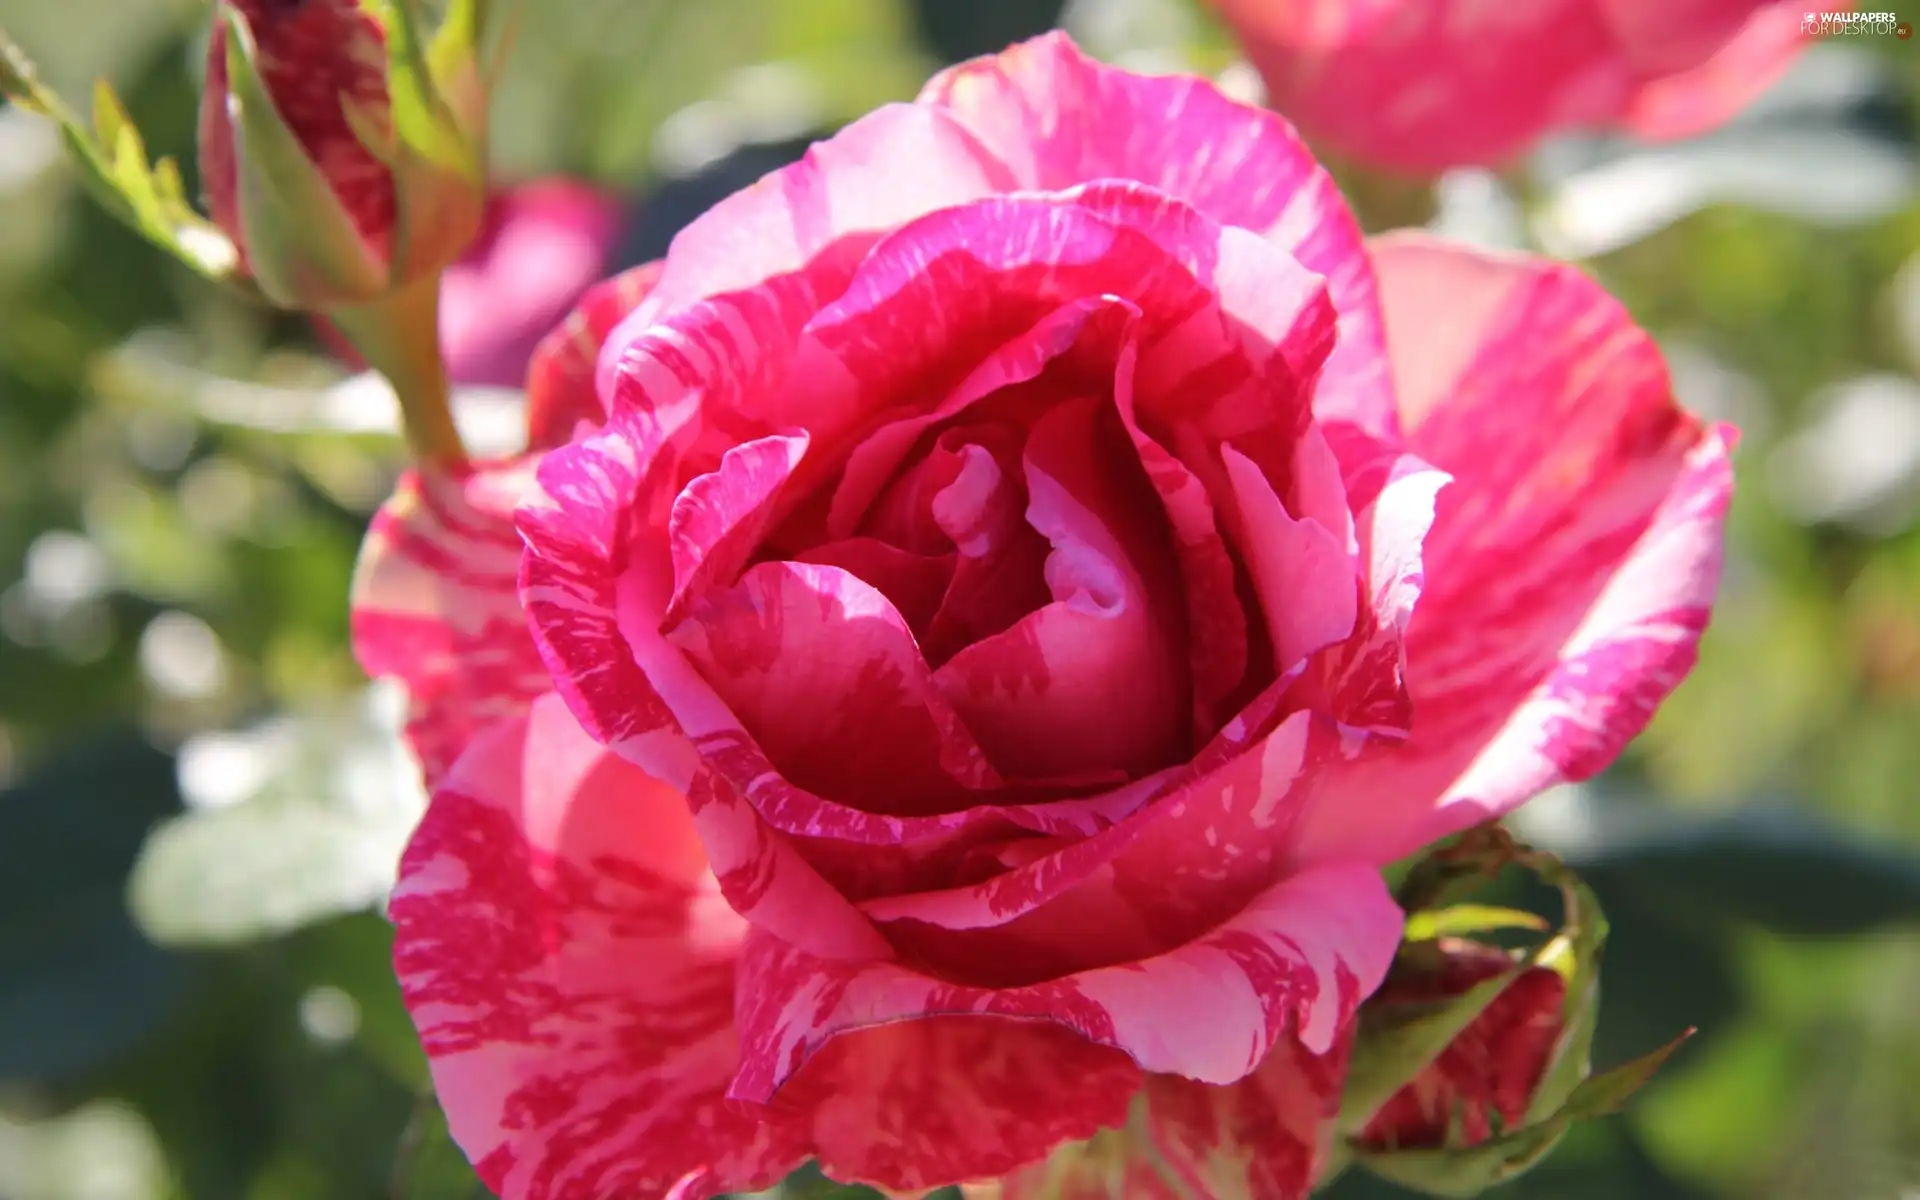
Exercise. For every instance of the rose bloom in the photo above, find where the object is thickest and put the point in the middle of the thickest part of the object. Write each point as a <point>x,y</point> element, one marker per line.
<point>1422,85</point>
<point>968,629</point>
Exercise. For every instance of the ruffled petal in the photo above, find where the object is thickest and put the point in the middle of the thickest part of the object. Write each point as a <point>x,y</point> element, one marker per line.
<point>560,391</point>
<point>571,967</point>
<point>435,605</point>
<point>1198,844</point>
<point>1573,561</point>
<point>1059,119</point>
<point>883,170</point>
<point>1294,963</point>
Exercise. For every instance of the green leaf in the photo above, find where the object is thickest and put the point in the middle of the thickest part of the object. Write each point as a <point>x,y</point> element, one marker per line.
<point>301,243</point>
<point>113,167</point>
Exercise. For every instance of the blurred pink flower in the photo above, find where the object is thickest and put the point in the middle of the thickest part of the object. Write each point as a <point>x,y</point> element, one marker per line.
<point>946,673</point>
<point>541,245</point>
<point>1423,85</point>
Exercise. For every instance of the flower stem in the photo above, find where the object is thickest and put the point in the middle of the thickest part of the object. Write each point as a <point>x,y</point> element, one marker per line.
<point>399,336</point>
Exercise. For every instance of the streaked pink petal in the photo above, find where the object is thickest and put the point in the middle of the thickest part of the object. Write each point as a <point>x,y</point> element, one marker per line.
<point>571,967</point>
<point>1060,119</point>
<point>1196,845</point>
<point>718,519</point>
<point>435,605</point>
<point>1265,1137</point>
<point>1307,583</point>
<point>1095,680</point>
<point>1294,963</point>
<point>1574,559</point>
<point>607,674</point>
<point>560,391</point>
<point>913,583</point>
<point>825,675</point>
<point>917,1104</point>
<point>881,171</point>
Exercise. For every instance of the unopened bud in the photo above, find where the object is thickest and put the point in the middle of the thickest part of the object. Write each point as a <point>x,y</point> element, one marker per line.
<point>1485,1079</point>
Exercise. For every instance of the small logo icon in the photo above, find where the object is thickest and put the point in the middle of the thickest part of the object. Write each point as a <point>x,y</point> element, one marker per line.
<point>1903,31</point>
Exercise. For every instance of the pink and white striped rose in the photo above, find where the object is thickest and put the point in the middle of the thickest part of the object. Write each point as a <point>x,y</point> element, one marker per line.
<point>968,629</point>
<point>1422,85</point>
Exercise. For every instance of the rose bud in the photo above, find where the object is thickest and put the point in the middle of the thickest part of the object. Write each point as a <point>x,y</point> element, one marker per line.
<point>1486,1077</point>
<point>341,167</point>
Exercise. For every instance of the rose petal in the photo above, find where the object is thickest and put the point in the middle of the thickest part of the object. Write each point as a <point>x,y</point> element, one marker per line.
<point>1058,119</point>
<point>571,968</point>
<point>1702,96</point>
<point>435,605</point>
<point>1205,841</point>
<point>560,392</point>
<point>824,673</point>
<point>542,245</point>
<point>1264,1137</point>
<point>918,1104</point>
<point>719,518</point>
<point>1294,962</point>
<point>913,583</point>
<point>888,167</point>
<point>1306,581</point>
<point>1095,680</point>
<point>1572,564</point>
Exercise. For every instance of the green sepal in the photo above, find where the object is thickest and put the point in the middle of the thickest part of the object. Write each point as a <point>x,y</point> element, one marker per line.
<point>1460,919</point>
<point>1470,1170</point>
<point>1395,1042</point>
<point>302,245</point>
<point>113,164</point>
<point>434,149</point>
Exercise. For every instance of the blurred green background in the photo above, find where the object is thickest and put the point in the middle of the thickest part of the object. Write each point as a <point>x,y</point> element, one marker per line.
<point>203,801</point>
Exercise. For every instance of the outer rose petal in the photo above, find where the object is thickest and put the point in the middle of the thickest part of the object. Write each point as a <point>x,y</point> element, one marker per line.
<point>916,1104</point>
<point>891,166</point>
<point>570,965</point>
<point>560,393</point>
<point>1702,97</point>
<point>542,246</point>
<point>1294,963</point>
<point>435,604</point>
<point>1423,85</point>
<point>1573,562</point>
<point>1060,119</point>
<point>1262,1138</point>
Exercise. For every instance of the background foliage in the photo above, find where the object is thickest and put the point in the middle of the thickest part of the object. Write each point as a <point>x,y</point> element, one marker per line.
<point>202,799</point>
